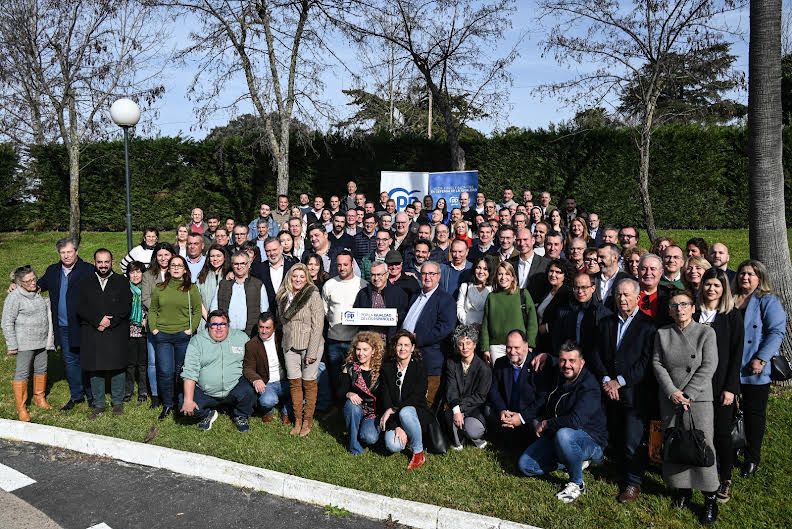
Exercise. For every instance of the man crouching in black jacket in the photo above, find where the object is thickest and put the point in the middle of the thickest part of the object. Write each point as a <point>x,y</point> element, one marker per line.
<point>572,432</point>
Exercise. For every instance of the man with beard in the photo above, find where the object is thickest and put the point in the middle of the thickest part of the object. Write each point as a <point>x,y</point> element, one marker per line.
<point>103,309</point>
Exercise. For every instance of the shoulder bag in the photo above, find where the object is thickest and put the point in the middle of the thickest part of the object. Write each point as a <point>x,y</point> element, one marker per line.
<point>780,370</point>
<point>738,427</point>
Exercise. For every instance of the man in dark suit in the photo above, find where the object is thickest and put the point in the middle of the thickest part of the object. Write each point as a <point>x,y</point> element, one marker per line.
<point>62,281</point>
<point>103,308</point>
<point>596,231</point>
<point>484,244</point>
<point>339,236</point>
<point>529,266</point>
<point>432,316</point>
<point>379,293</point>
<point>272,271</point>
<point>578,320</point>
<point>604,283</point>
<point>621,364</point>
<point>518,392</point>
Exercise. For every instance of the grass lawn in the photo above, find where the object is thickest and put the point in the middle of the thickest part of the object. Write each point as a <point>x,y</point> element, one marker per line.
<point>485,482</point>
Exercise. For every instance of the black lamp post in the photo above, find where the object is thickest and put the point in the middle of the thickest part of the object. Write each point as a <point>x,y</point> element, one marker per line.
<point>125,113</point>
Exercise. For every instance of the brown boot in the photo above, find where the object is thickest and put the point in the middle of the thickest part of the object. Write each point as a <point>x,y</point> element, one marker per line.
<point>20,396</point>
<point>39,388</point>
<point>296,387</point>
<point>311,387</point>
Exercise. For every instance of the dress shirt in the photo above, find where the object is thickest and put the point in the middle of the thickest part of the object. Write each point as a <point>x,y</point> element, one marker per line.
<point>417,308</point>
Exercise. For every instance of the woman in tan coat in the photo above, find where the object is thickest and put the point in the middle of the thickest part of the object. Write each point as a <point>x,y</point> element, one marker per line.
<point>301,314</point>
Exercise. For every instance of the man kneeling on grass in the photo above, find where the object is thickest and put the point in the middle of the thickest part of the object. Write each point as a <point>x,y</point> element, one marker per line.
<point>572,433</point>
<point>213,375</point>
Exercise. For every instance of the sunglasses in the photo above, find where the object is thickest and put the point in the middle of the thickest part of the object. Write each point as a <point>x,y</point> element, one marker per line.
<point>23,269</point>
<point>398,379</point>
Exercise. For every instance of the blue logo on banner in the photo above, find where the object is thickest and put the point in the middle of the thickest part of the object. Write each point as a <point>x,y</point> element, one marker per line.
<point>404,197</point>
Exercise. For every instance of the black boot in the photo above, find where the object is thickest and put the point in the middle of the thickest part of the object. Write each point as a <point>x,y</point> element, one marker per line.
<point>710,512</point>
<point>155,402</point>
<point>682,498</point>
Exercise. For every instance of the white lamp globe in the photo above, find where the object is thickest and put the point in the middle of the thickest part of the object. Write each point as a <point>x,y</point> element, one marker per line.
<point>125,112</point>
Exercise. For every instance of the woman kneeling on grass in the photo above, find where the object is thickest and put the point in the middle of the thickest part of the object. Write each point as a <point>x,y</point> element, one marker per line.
<point>403,395</point>
<point>357,386</point>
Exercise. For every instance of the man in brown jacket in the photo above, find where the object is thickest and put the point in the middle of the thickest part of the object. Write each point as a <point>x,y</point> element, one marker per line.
<point>264,368</point>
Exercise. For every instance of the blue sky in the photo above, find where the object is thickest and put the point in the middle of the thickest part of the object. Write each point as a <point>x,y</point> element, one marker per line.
<point>526,108</point>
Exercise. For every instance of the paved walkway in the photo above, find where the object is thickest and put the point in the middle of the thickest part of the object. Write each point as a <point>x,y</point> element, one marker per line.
<point>50,488</point>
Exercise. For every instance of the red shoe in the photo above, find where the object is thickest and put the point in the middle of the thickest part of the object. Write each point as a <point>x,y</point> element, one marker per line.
<point>417,461</point>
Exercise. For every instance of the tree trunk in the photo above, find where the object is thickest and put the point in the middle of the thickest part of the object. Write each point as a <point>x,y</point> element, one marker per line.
<point>767,222</point>
<point>73,147</point>
<point>643,180</point>
<point>282,168</point>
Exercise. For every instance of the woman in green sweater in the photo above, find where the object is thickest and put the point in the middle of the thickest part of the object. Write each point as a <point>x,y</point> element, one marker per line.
<point>173,318</point>
<point>507,308</point>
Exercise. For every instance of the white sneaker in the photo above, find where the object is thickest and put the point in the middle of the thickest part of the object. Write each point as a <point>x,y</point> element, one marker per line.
<point>571,492</point>
<point>458,448</point>
<point>481,444</point>
<point>586,464</point>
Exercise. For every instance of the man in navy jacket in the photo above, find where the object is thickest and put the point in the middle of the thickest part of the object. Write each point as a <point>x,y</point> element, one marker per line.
<point>517,394</point>
<point>432,317</point>
<point>572,429</point>
<point>62,281</point>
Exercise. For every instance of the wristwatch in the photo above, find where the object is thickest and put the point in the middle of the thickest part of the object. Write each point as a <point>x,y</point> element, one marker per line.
<point>763,362</point>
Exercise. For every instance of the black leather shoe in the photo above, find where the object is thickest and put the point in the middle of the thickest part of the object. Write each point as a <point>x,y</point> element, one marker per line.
<point>166,410</point>
<point>749,469</point>
<point>155,402</point>
<point>682,498</point>
<point>709,514</point>
<point>71,404</point>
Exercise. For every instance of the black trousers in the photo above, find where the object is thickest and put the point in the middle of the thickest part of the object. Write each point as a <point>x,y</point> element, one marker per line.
<point>754,402</point>
<point>137,363</point>
<point>724,451</point>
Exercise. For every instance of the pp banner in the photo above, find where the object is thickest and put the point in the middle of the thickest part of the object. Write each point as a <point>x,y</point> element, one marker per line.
<point>378,317</point>
<point>404,187</point>
<point>450,184</point>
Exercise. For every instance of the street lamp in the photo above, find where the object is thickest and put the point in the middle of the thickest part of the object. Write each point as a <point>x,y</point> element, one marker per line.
<point>125,113</point>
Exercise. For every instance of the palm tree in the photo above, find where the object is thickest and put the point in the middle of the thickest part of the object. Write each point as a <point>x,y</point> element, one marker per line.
<point>767,224</point>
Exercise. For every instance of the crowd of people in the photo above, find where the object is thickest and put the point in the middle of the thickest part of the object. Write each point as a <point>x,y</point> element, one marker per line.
<point>537,325</point>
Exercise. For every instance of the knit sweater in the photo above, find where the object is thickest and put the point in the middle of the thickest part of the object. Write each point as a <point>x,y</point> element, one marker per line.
<point>169,311</point>
<point>339,296</point>
<point>502,314</point>
<point>138,253</point>
<point>27,322</point>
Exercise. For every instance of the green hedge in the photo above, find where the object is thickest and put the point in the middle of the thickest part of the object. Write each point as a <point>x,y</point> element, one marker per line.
<point>699,176</point>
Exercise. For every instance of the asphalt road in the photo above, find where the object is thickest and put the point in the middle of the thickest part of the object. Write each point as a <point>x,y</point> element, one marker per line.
<point>77,491</point>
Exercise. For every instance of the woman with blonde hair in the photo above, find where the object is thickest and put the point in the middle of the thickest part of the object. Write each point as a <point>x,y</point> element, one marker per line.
<point>578,229</point>
<point>180,245</point>
<point>507,308</point>
<point>301,314</point>
<point>358,387</point>
<point>694,271</point>
<point>630,258</point>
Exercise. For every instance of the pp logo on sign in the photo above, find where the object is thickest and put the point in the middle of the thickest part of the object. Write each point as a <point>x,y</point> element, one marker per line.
<point>404,197</point>
<point>348,317</point>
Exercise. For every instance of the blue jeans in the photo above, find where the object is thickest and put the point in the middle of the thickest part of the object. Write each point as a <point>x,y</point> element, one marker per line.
<point>242,398</point>
<point>568,448</point>
<point>78,380</point>
<point>170,351</point>
<point>151,369</point>
<point>408,420</point>
<point>117,381</point>
<point>329,373</point>
<point>360,430</point>
<point>275,392</point>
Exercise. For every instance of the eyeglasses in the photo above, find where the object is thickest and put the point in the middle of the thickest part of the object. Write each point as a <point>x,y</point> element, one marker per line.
<point>240,264</point>
<point>581,289</point>
<point>218,325</point>
<point>430,273</point>
<point>589,259</point>
<point>646,302</point>
<point>379,275</point>
<point>680,305</point>
<point>626,236</point>
<point>176,267</point>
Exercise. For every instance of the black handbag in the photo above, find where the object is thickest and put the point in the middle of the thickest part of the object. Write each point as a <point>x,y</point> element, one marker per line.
<point>780,370</point>
<point>738,428</point>
<point>683,446</point>
<point>438,444</point>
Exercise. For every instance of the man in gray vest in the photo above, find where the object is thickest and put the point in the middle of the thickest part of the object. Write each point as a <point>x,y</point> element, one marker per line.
<point>243,297</point>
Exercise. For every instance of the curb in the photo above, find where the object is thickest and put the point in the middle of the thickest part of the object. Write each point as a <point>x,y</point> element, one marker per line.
<point>375,506</point>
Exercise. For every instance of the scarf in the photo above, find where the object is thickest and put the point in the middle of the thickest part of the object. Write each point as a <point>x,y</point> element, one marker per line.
<point>136,316</point>
<point>369,408</point>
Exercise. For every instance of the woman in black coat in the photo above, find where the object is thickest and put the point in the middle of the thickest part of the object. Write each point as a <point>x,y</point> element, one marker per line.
<point>560,275</point>
<point>468,379</point>
<point>405,415</point>
<point>715,307</point>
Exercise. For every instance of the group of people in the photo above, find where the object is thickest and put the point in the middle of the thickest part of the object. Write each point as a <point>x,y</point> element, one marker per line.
<point>526,322</point>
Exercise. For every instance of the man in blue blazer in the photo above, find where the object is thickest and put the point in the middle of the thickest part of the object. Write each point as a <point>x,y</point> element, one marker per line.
<point>518,392</point>
<point>432,317</point>
<point>275,267</point>
<point>62,281</point>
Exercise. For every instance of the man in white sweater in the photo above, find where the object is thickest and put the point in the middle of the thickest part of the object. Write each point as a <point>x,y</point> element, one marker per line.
<point>339,295</point>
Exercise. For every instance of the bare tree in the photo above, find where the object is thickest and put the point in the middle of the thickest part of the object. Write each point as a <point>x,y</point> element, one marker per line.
<point>64,62</point>
<point>768,230</point>
<point>635,44</point>
<point>450,44</point>
<point>278,49</point>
